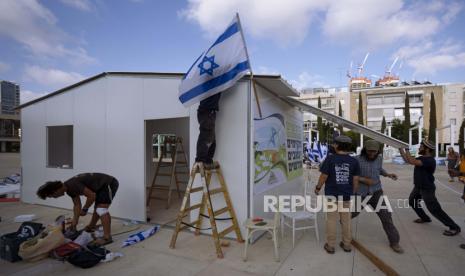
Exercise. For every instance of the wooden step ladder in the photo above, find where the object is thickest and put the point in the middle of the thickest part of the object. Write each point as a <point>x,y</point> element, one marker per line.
<point>186,208</point>
<point>174,163</point>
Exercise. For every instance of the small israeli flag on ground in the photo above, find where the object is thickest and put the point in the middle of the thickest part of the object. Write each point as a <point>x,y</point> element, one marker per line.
<point>218,68</point>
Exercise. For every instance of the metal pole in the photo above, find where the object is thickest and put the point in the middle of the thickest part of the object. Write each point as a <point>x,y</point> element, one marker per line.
<point>437,144</point>
<point>361,140</point>
<point>410,137</point>
<point>452,134</point>
<point>420,130</point>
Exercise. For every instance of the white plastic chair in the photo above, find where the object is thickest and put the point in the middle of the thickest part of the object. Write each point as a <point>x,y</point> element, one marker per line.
<point>291,218</point>
<point>269,225</point>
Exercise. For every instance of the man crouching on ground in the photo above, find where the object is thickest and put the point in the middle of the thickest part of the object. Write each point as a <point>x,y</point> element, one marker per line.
<point>98,188</point>
<point>340,173</point>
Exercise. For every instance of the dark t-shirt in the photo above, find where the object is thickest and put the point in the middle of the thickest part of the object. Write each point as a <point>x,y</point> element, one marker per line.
<point>340,170</point>
<point>210,103</point>
<point>423,176</point>
<point>92,181</point>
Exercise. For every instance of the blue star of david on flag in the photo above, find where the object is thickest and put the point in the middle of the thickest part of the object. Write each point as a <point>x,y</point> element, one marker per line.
<point>209,69</point>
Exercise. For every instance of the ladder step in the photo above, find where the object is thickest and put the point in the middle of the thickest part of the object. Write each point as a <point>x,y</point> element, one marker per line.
<point>216,191</point>
<point>193,207</point>
<point>159,187</point>
<point>195,190</point>
<point>164,174</point>
<point>221,211</point>
<point>226,231</point>
<point>182,172</point>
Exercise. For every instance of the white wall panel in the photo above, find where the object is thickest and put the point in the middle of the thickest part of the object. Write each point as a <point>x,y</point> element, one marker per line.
<point>33,151</point>
<point>160,98</point>
<point>89,128</point>
<point>124,144</point>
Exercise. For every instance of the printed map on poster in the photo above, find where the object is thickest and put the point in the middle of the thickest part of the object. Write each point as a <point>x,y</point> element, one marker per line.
<point>270,152</point>
<point>278,151</point>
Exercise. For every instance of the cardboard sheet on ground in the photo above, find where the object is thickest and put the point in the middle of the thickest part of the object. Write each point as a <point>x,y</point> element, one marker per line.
<point>378,136</point>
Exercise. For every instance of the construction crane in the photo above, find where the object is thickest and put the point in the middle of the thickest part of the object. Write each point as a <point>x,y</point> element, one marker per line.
<point>360,68</point>
<point>389,71</point>
<point>349,72</point>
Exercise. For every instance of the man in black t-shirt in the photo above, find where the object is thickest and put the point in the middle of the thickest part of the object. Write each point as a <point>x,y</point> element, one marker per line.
<point>340,175</point>
<point>98,188</point>
<point>424,188</point>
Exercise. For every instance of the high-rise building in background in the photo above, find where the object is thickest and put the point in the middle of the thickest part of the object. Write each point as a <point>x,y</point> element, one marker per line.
<point>9,117</point>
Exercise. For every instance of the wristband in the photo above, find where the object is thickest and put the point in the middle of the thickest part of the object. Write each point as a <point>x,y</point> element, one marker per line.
<point>85,210</point>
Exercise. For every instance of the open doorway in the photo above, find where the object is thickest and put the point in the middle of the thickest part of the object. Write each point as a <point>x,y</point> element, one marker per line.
<point>156,132</point>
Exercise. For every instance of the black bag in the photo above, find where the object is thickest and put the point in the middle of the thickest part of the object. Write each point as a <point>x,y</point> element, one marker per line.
<point>29,230</point>
<point>87,257</point>
<point>9,243</point>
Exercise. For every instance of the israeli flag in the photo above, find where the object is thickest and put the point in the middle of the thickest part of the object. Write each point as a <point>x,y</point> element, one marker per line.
<point>316,152</point>
<point>216,69</point>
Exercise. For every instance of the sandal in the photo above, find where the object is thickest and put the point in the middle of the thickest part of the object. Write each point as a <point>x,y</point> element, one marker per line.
<point>451,232</point>
<point>102,241</point>
<point>421,221</point>
<point>329,249</point>
<point>345,248</point>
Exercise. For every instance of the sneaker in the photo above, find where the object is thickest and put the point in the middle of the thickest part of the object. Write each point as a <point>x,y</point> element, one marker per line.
<point>397,248</point>
<point>345,247</point>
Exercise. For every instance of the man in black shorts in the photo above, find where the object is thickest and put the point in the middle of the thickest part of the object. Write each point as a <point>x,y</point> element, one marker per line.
<point>98,188</point>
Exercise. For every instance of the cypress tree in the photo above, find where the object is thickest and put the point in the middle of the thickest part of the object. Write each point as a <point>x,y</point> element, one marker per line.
<point>383,129</point>
<point>432,120</point>
<point>319,121</point>
<point>461,143</point>
<point>341,128</point>
<point>383,125</point>
<point>406,118</point>
<point>360,109</point>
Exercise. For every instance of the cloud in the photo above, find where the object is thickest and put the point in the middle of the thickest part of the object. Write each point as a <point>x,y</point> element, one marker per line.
<point>51,77</point>
<point>266,71</point>
<point>285,22</point>
<point>27,95</point>
<point>374,22</point>
<point>429,58</point>
<point>378,23</point>
<point>307,80</point>
<point>4,67</point>
<point>82,5</point>
<point>35,28</point>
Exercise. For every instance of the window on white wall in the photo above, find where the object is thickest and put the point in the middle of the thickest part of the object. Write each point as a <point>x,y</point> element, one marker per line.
<point>453,108</point>
<point>60,146</point>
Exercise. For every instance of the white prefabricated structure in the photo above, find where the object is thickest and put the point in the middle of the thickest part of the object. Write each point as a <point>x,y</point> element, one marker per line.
<point>104,124</point>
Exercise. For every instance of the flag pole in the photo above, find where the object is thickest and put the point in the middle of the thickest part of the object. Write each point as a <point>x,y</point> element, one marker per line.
<point>250,67</point>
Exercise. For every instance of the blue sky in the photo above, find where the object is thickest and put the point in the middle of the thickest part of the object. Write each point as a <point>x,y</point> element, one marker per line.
<point>48,44</point>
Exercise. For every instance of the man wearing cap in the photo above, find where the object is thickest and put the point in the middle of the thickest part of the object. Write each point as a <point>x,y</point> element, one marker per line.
<point>339,174</point>
<point>371,167</point>
<point>424,188</point>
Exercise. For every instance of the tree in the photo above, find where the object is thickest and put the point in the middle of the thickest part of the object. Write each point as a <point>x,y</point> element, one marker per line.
<point>383,125</point>
<point>341,128</point>
<point>360,109</point>
<point>383,129</point>
<point>432,119</point>
<point>461,143</point>
<point>407,125</point>
<point>319,121</point>
<point>397,129</point>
